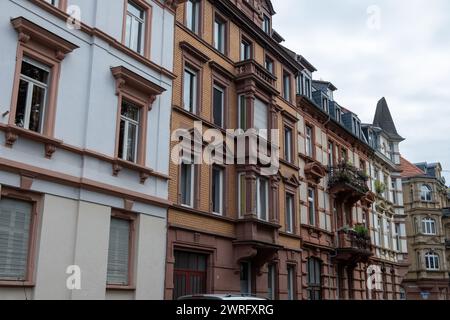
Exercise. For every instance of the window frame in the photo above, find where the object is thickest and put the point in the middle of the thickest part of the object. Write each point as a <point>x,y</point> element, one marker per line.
<point>224,22</point>
<point>314,286</point>
<point>248,46</point>
<point>219,86</point>
<point>199,30</point>
<point>432,261</point>
<point>291,281</point>
<point>37,205</point>
<point>132,219</point>
<point>193,174</point>
<point>147,26</point>
<point>287,95</point>
<point>289,150</point>
<point>194,73</point>
<point>60,4</point>
<point>426,195</point>
<point>429,226</point>
<point>222,192</point>
<point>292,228</point>
<point>258,197</point>
<point>309,147</point>
<point>312,201</point>
<point>269,58</point>
<point>125,138</point>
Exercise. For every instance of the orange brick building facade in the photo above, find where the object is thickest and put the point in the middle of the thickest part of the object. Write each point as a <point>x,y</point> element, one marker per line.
<point>302,233</point>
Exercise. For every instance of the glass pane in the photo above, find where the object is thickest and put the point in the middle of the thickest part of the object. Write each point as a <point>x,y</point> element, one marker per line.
<point>130,111</point>
<point>217,190</point>
<point>37,109</point>
<point>218,106</point>
<point>263,198</point>
<point>186,184</point>
<point>34,72</point>
<point>121,138</point>
<point>242,113</point>
<point>21,103</point>
<point>135,10</point>
<point>128,31</point>
<point>132,142</point>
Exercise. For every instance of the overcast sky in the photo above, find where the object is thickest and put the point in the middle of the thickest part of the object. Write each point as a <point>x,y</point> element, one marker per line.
<point>403,56</point>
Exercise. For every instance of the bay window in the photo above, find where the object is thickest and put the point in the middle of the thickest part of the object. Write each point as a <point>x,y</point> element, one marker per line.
<point>429,226</point>
<point>432,261</point>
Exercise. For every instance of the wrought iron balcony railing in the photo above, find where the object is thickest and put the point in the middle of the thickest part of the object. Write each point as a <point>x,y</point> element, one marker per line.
<point>345,174</point>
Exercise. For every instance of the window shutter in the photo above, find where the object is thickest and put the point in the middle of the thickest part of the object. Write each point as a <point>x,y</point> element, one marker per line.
<point>15,223</point>
<point>118,252</point>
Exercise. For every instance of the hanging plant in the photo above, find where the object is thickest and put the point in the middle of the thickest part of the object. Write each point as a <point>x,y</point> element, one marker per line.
<point>380,187</point>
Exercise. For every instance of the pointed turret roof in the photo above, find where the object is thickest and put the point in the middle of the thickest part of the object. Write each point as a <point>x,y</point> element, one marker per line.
<point>383,120</point>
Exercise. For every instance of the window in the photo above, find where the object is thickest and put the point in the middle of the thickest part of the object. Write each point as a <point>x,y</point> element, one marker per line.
<point>394,190</point>
<point>289,213</point>
<point>218,105</point>
<point>269,65</point>
<point>288,145</point>
<point>193,15</point>
<point>189,274</point>
<point>135,26</point>
<point>431,261</point>
<point>129,131</point>
<point>425,193</point>
<point>271,281</point>
<point>246,276</point>
<point>299,84</point>
<point>118,273</point>
<point>190,90</point>
<point>429,226</point>
<point>344,155</point>
<point>217,189</point>
<point>308,87</point>
<point>330,153</point>
<point>32,95</point>
<point>338,114</point>
<point>243,112</point>
<point>266,24</point>
<point>386,183</point>
<point>312,206</point>
<point>219,35</point>
<point>325,104</point>
<point>314,279</point>
<point>15,233</point>
<point>262,198</point>
<point>246,50</point>
<point>187,184</point>
<point>287,86</point>
<point>398,234</point>
<point>309,141</point>
<point>261,118</point>
<point>242,190</point>
<point>291,282</point>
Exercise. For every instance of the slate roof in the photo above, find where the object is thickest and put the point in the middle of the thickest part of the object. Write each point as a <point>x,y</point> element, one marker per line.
<point>383,120</point>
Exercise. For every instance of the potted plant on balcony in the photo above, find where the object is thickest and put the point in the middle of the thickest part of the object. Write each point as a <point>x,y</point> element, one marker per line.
<point>380,187</point>
<point>361,231</point>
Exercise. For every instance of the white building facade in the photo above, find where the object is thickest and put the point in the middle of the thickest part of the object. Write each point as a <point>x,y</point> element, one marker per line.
<point>84,148</point>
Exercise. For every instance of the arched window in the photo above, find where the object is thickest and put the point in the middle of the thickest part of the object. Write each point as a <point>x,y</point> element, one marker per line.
<point>425,193</point>
<point>314,279</point>
<point>429,226</point>
<point>432,261</point>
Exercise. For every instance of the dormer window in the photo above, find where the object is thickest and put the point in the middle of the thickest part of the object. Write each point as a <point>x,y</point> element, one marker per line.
<point>307,88</point>
<point>338,114</point>
<point>299,83</point>
<point>266,24</point>
<point>325,104</point>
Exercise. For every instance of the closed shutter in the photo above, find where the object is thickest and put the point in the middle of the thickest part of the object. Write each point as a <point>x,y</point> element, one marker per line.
<point>118,253</point>
<point>15,223</point>
<point>261,118</point>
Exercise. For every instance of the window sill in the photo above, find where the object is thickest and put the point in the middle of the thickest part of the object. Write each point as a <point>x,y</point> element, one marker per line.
<point>120,288</point>
<point>12,133</point>
<point>22,284</point>
<point>289,164</point>
<point>144,172</point>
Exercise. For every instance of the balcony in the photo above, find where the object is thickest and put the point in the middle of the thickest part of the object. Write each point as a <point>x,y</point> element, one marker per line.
<point>256,241</point>
<point>353,247</point>
<point>251,70</point>
<point>347,183</point>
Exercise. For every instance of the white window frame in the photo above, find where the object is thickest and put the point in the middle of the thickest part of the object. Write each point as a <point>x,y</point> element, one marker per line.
<point>132,32</point>
<point>258,199</point>
<point>193,15</point>
<point>246,50</point>
<point>426,195</point>
<point>220,35</point>
<point>309,141</point>
<point>127,122</point>
<point>289,213</point>
<point>29,98</point>
<point>312,205</point>
<point>192,185</point>
<point>193,90</point>
<point>288,145</point>
<point>432,262</point>
<point>429,226</point>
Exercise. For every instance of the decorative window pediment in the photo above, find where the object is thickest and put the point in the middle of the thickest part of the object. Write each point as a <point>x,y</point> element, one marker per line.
<point>314,172</point>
